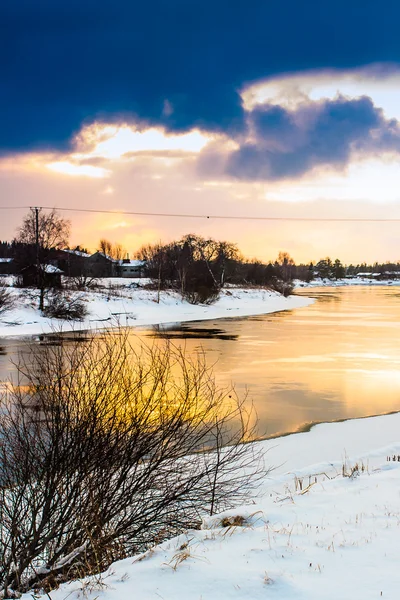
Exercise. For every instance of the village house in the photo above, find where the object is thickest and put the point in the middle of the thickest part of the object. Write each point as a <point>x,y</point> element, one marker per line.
<point>102,265</point>
<point>7,266</point>
<point>132,268</point>
<point>46,275</point>
<point>73,263</point>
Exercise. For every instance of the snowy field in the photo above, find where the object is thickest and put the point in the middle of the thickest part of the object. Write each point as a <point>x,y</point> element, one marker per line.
<point>327,531</point>
<point>126,301</point>
<point>120,301</point>
<point>343,282</point>
<point>326,523</point>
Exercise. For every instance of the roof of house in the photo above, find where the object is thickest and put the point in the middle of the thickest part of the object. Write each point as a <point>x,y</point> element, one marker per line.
<point>114,260</point>
<point>46,268</point>
<point>77,253</point>
<point>6,260</point>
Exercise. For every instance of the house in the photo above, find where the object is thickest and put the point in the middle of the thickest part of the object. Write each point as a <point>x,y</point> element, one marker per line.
<point>102,265</point>
<point>73,263</point>
<point>7,266</point>
<point>391,275</point>
<point>43,275</point>
<point>132,268</point>
<point>368,275</point>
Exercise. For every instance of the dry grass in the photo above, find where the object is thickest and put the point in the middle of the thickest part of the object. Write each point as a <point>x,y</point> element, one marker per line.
<point>235,521</point>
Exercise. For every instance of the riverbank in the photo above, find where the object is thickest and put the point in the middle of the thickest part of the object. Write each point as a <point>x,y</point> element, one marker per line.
<point>136,307</point>
<point>327,530</point>
<point>362,281</point>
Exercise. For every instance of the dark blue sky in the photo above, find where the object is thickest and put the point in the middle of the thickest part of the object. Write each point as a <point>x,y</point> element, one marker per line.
<point>63,64</point>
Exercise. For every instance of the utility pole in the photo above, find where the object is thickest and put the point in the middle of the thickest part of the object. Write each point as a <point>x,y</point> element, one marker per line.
<point>37,235</point>
<point>39,274</point>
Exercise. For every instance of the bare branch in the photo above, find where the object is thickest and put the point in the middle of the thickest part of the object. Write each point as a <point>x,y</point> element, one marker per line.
<point>107,448</point>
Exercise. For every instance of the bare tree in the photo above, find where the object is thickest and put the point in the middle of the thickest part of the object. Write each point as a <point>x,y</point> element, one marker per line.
<point>53,230</point>
<point>116,250</point>
<point>105,247</point>
<point>285,263</point>
<point>44,231</point>
<point>197,266</point>
<point>107,449</point>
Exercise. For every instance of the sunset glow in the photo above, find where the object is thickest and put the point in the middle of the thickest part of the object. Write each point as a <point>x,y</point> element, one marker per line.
<point>68,168</point>
<point>113,142</point>
<point>312,142</point>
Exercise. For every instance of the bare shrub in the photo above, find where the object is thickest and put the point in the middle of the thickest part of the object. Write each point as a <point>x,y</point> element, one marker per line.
<point>82,282</point>
<point>106,450</point>
<point>65,306</point>
<point>283,287</point>
<point>7,300</point>
<point>202,294</point>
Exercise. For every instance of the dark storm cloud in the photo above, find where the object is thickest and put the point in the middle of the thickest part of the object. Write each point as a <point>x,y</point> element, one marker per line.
<point>287,143</point>
<point>66,63</point>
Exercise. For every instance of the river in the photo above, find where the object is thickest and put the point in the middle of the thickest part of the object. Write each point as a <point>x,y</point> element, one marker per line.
<point>335,359</point>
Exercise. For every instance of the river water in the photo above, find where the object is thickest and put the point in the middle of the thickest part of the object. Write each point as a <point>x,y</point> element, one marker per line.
<point>335,359</point>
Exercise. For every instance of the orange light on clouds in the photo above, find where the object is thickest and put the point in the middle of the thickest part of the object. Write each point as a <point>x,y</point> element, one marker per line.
<point>114,142</point>
<point>119,167</point>
<point>69,168</point>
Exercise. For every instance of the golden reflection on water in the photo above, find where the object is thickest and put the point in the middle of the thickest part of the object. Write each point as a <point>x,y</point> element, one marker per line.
<point>338,358</point>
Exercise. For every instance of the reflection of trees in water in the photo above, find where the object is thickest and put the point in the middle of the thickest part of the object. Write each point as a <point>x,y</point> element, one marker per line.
<point>324,297</point>
<point>57,339</point>
<point>186,332</point>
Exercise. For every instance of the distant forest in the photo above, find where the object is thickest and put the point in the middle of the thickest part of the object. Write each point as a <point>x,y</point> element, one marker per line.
<point>224,262</point>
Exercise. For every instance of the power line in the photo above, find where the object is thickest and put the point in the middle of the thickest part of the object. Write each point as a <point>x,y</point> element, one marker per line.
<point>217,217</point>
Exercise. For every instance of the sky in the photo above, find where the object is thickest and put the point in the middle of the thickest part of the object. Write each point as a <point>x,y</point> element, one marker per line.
<point>214,108</point>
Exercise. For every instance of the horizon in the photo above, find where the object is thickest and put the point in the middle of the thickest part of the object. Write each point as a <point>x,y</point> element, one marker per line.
<point>132,252</point>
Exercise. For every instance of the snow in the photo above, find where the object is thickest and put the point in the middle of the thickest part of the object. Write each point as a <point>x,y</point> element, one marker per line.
<point>318,282</point>
<point>121,303</point>
<point>325,524</point>
<point>51,269</point>
<point>76,252</point>
<point>313,534</point>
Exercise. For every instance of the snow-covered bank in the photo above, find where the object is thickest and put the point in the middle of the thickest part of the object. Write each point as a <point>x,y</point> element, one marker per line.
<point>313,535</point>
<point>139,307</point>
<point>343,282</point>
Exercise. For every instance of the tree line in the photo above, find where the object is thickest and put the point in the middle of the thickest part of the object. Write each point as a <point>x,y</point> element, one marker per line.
<point>196,266</point>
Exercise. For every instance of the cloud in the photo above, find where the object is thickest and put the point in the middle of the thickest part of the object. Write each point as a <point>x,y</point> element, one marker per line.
<point>283,143</point>
<point>66,167</point>
<point>178,64</point>
<point>174,154</point>
<point>378,81</point>
<point>114,142</point>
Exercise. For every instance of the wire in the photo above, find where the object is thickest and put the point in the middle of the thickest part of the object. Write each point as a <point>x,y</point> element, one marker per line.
<point>219,217</point>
